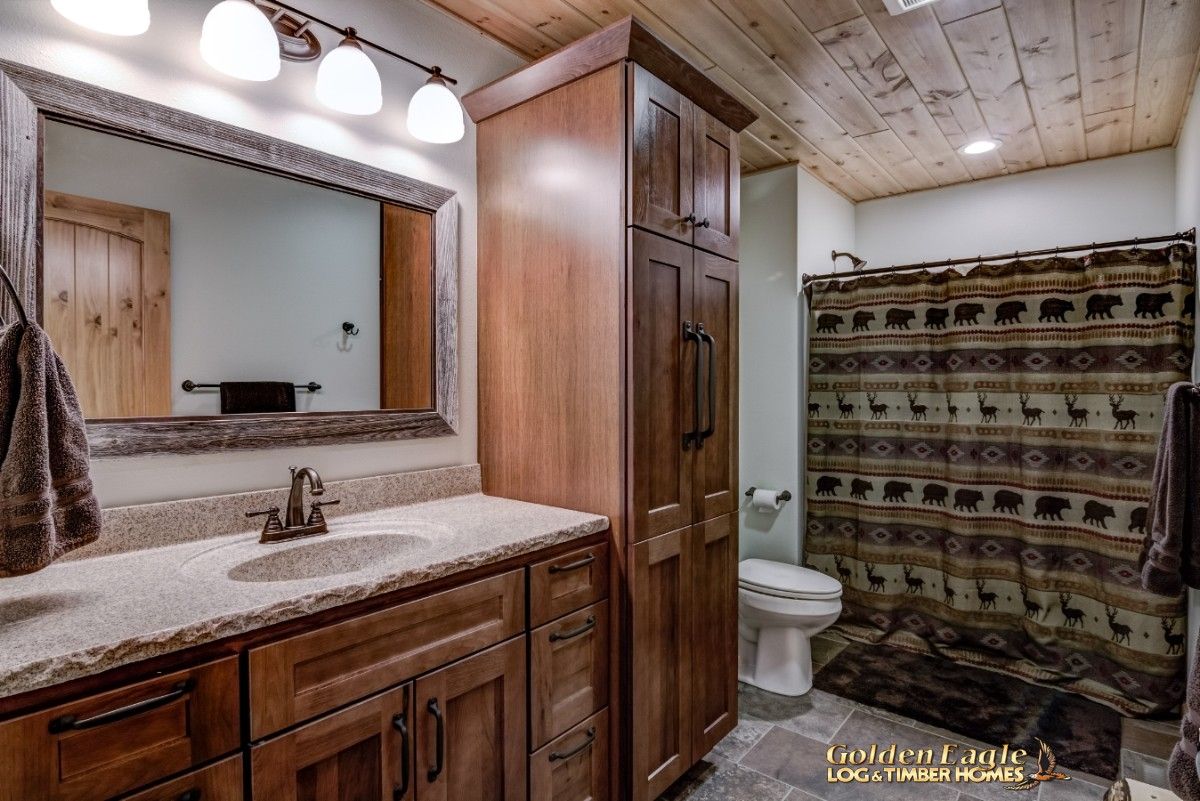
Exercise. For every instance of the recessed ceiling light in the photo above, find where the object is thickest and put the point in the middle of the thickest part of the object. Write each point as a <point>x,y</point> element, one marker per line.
<point>981,146</point>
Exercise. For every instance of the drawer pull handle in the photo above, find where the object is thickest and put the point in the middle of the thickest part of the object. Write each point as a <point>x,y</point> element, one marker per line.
<point>573,633</point>
<point>586,744</point>
<point>190,795</point>
<point>440,755</point>
<point>67,723</point>
<point>400,722</point>
<point>584,562</point>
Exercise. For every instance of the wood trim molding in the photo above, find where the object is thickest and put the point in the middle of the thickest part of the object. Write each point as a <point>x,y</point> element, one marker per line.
<point>29,95</point>
<point>625,39</point>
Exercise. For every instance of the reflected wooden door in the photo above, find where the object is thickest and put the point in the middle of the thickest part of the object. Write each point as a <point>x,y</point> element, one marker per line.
<point>106,283</point>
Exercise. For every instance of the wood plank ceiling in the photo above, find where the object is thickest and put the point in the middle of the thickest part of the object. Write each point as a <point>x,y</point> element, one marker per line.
<point>876,105</point>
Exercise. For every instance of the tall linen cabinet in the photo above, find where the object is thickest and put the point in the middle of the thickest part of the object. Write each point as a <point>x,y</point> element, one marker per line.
<point>608,359</point>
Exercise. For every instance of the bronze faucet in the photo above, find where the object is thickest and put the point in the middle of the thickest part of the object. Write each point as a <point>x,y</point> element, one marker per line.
<point>295,524</point>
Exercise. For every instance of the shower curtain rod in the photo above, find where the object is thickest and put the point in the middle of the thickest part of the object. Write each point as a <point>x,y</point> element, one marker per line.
<point>1181,236</point>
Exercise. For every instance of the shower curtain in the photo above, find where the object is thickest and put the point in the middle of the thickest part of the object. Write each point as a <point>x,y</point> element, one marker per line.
<point>980,448</point>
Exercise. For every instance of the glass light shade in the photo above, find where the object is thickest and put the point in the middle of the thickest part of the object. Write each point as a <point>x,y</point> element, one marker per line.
<point>434,114</point>
<point>239,41</point>
<point>980,146</point>
<point>116,17</point>
<point>347,80</point>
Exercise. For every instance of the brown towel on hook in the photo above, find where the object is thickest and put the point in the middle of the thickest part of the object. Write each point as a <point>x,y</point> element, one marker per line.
<point>46,502</point>
<point>1171,551</point>
<point>257,397</point>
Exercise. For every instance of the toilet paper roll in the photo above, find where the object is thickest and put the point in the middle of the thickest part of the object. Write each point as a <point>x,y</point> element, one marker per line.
<point>766,500</point>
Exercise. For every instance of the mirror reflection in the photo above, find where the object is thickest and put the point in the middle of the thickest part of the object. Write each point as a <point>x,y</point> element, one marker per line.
<point>175,285</point>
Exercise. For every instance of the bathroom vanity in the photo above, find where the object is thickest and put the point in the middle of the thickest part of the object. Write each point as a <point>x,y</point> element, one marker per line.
<point>420,650</point>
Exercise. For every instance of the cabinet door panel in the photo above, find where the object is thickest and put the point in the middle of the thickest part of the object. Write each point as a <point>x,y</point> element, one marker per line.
<point>714,632</point>
<point>664,384</point>
<point>661,580</point>
<point>717,182</point>
<point>221,781</point>
<point>660,172</point>
<point>360,753</point>
<point>716,477</point>
<point>481,737</point>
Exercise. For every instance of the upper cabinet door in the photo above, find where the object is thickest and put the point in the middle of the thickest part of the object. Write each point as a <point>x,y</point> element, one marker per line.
<point>664,354</point>
<point>717,181</point>
<point>471,738</point>
<point>716,309</point>
<point>660,175</point>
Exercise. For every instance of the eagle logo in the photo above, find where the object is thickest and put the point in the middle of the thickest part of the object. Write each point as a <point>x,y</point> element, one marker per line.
<point>1046,771</point>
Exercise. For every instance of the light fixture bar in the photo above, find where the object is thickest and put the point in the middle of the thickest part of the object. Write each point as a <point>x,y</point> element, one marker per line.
<point>363,40</point>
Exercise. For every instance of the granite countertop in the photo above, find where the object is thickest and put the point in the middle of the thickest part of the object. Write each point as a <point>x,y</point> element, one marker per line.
<point>119,605</point>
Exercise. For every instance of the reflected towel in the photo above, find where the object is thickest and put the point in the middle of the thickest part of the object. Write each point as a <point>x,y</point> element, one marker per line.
<point>257,397</point>
<point>47,506</point>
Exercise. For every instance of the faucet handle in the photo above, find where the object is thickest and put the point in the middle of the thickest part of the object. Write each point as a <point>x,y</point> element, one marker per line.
<point>315,516</point>
<point>273,523</point>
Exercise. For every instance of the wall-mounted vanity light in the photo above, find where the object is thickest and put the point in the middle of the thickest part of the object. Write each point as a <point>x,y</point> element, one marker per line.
<point>116,17</point>
<point>247,39</point>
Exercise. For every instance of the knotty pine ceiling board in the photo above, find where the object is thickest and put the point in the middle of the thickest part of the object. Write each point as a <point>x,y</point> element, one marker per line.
<point>875,105</point>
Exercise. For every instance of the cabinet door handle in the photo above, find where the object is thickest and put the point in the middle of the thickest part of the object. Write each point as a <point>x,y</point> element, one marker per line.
<point>440,755</point>
<point>711,341</point>
<point>586,744</point>
<point>703,223</point>
<point>691,218</point>
<point>67,723</point>
<point>690,335</point>
<point>584,562</point>
<point>400,723</point>
<point>573,633</point>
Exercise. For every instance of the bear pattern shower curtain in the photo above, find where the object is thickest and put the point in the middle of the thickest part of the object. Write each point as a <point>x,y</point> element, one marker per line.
<point>979,455</point>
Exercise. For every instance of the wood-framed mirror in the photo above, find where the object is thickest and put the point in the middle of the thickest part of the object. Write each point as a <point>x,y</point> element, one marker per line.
<point>211,288</point>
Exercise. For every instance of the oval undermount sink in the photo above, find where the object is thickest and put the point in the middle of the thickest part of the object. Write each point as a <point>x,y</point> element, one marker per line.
<point>329,556</point>
<point>351,547</point>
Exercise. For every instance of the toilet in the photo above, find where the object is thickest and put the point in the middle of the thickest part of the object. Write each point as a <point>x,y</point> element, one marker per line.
<point>780,608</point>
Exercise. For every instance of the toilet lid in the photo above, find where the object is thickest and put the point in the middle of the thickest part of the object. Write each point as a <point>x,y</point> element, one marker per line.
<point>787,581</point>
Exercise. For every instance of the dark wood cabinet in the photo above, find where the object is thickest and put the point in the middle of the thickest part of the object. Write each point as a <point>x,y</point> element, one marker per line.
<point>361,753</point>
<point>662,138</point>
<point>629,408</point>
<point>716,308</point>
<point>568,664</point>
<point>713,606</point>
<point>665,354</point>
<point>716,182</point>
<point>220,781</point>
<point>471,719</point>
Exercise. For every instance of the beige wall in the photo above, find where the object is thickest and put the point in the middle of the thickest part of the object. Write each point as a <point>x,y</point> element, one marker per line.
<point>164,66</point>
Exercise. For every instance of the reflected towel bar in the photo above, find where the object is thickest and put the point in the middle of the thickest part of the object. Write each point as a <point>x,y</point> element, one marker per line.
<point>189,385</point>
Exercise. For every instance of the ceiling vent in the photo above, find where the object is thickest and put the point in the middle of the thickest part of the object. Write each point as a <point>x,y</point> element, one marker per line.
<point>897,7</point>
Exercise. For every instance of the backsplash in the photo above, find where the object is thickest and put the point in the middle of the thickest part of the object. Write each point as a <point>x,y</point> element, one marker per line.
<point>153,525</point>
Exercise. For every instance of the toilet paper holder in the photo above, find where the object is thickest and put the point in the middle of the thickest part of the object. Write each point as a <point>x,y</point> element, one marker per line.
<point>786,495</point>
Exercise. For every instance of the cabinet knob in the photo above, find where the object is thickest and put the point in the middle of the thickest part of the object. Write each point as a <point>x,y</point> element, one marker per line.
<point>691,218</point>
<point>703,223</point>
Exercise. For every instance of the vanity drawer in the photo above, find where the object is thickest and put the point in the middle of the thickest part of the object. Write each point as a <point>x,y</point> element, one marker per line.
<point>569,582</point>
<point>108,744</point>
<point>569,661</point>
<point>304,676</point>
<point>575,766</point>
<point>219,782</point>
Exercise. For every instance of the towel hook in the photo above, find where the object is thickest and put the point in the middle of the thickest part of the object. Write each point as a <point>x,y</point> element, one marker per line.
<point>12,290</point>
<point>350,329</point>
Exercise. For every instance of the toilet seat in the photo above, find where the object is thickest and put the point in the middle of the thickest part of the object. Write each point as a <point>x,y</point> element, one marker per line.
<point>787,581</point>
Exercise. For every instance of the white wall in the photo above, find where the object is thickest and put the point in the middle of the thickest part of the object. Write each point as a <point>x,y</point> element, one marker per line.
<point>164,66</point>
<point>263,269</point>
<point>1115,198</point>
<point>790,222</point>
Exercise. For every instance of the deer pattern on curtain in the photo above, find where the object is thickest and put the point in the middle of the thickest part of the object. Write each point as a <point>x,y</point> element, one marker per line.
<point>980,449</point>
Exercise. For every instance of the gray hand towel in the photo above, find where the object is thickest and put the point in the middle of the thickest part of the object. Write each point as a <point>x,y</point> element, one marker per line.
<point>47,506</point>
<point>257,397</point>
<point>1170,554</point>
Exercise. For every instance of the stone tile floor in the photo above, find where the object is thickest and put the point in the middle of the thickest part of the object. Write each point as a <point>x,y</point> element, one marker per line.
<point>777,753</point>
